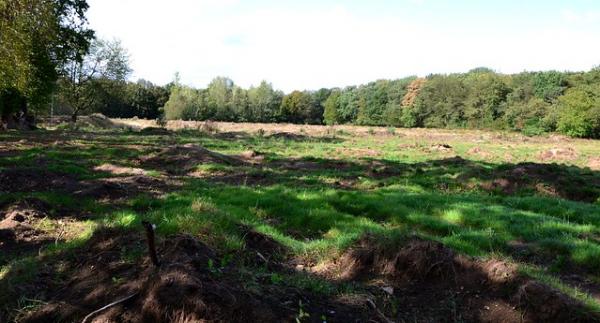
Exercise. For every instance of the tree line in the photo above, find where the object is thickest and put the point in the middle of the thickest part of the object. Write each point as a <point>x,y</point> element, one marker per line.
<point>530,102</point>
<point>51,62</point>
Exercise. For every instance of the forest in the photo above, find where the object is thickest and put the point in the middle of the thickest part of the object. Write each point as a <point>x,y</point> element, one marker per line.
<point>59,67</point>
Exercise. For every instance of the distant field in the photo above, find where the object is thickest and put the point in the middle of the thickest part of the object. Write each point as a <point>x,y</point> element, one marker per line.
<point>281,222</point>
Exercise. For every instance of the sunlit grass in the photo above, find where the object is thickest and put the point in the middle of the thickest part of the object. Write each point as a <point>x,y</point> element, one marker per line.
<point>304,211</point>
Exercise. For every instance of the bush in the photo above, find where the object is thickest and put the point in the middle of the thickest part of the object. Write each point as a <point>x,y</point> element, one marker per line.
<point>579,112</point>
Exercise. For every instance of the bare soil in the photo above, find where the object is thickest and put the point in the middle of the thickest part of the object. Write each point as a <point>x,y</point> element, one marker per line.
<point>545,179</point>
<point>182,159</point>
<point>185,288</point>
<point>426,277</point>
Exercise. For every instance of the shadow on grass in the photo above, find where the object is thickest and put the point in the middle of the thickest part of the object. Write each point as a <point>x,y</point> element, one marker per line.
<point>198,282</point>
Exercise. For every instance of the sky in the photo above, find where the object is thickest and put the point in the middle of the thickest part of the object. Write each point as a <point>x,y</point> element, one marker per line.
<point>310,44</point>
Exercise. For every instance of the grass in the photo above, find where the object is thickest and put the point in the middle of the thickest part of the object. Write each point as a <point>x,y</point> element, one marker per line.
<point>399,188</point>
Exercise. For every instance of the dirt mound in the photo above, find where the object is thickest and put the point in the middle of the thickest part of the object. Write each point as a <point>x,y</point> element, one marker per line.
<point>288,136</point>
<point>266,248</point>
<point>191,285</point>
<point>35,180</point>
<point>182,288</point>
<point>155,131</point>
<point>558,154</point>
<point>428,275</point>
<point>118,188</point>
<point>26,209</point>
<point>182,159</point>
<point>545,179</point>
<point>98,121</point>
<point>120,170</point>
<point>18,232</point>
<point>416,261</point>
<point>545,304</point>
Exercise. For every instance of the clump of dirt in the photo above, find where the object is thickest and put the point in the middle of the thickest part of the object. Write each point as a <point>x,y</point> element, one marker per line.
<point>498,271</point>
<point>182,159</point>
<point>558,154</point>
<point>120,170</point>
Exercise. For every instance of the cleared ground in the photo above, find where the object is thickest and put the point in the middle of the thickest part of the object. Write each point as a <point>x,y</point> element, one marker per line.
<point>262,222</point>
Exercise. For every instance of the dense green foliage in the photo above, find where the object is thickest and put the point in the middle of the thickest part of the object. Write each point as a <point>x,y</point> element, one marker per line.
<point>92,81</point>
<point>36,39</point>
<point>45,41</point>
<point>531,102</point>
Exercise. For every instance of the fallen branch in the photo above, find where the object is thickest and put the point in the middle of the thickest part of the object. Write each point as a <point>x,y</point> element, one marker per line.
<point>119,301</point>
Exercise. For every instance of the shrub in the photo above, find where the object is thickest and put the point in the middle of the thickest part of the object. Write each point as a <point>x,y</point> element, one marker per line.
<point>579,112</point>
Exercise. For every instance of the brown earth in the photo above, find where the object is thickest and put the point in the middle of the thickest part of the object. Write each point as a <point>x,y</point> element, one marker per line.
<point>425,276</point>
<point>35,179</point>
<point>558,154</point>
<point>427,280</point>
<point>120,170</point>
<point>189,286</point>
<point>21,229</point>
<point>546,179</point>
<point>182,159</point>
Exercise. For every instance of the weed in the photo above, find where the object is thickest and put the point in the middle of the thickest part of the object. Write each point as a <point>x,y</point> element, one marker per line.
<point>302,314</point>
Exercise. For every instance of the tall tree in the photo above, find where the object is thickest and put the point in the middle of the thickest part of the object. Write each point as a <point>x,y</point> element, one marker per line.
<point>106,60</point>
<point>330,115</point>
<point>36,38</point>
<point>264,103</point>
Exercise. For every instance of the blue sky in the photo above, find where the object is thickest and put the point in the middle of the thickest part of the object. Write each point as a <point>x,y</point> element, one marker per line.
<point>313,44</point>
